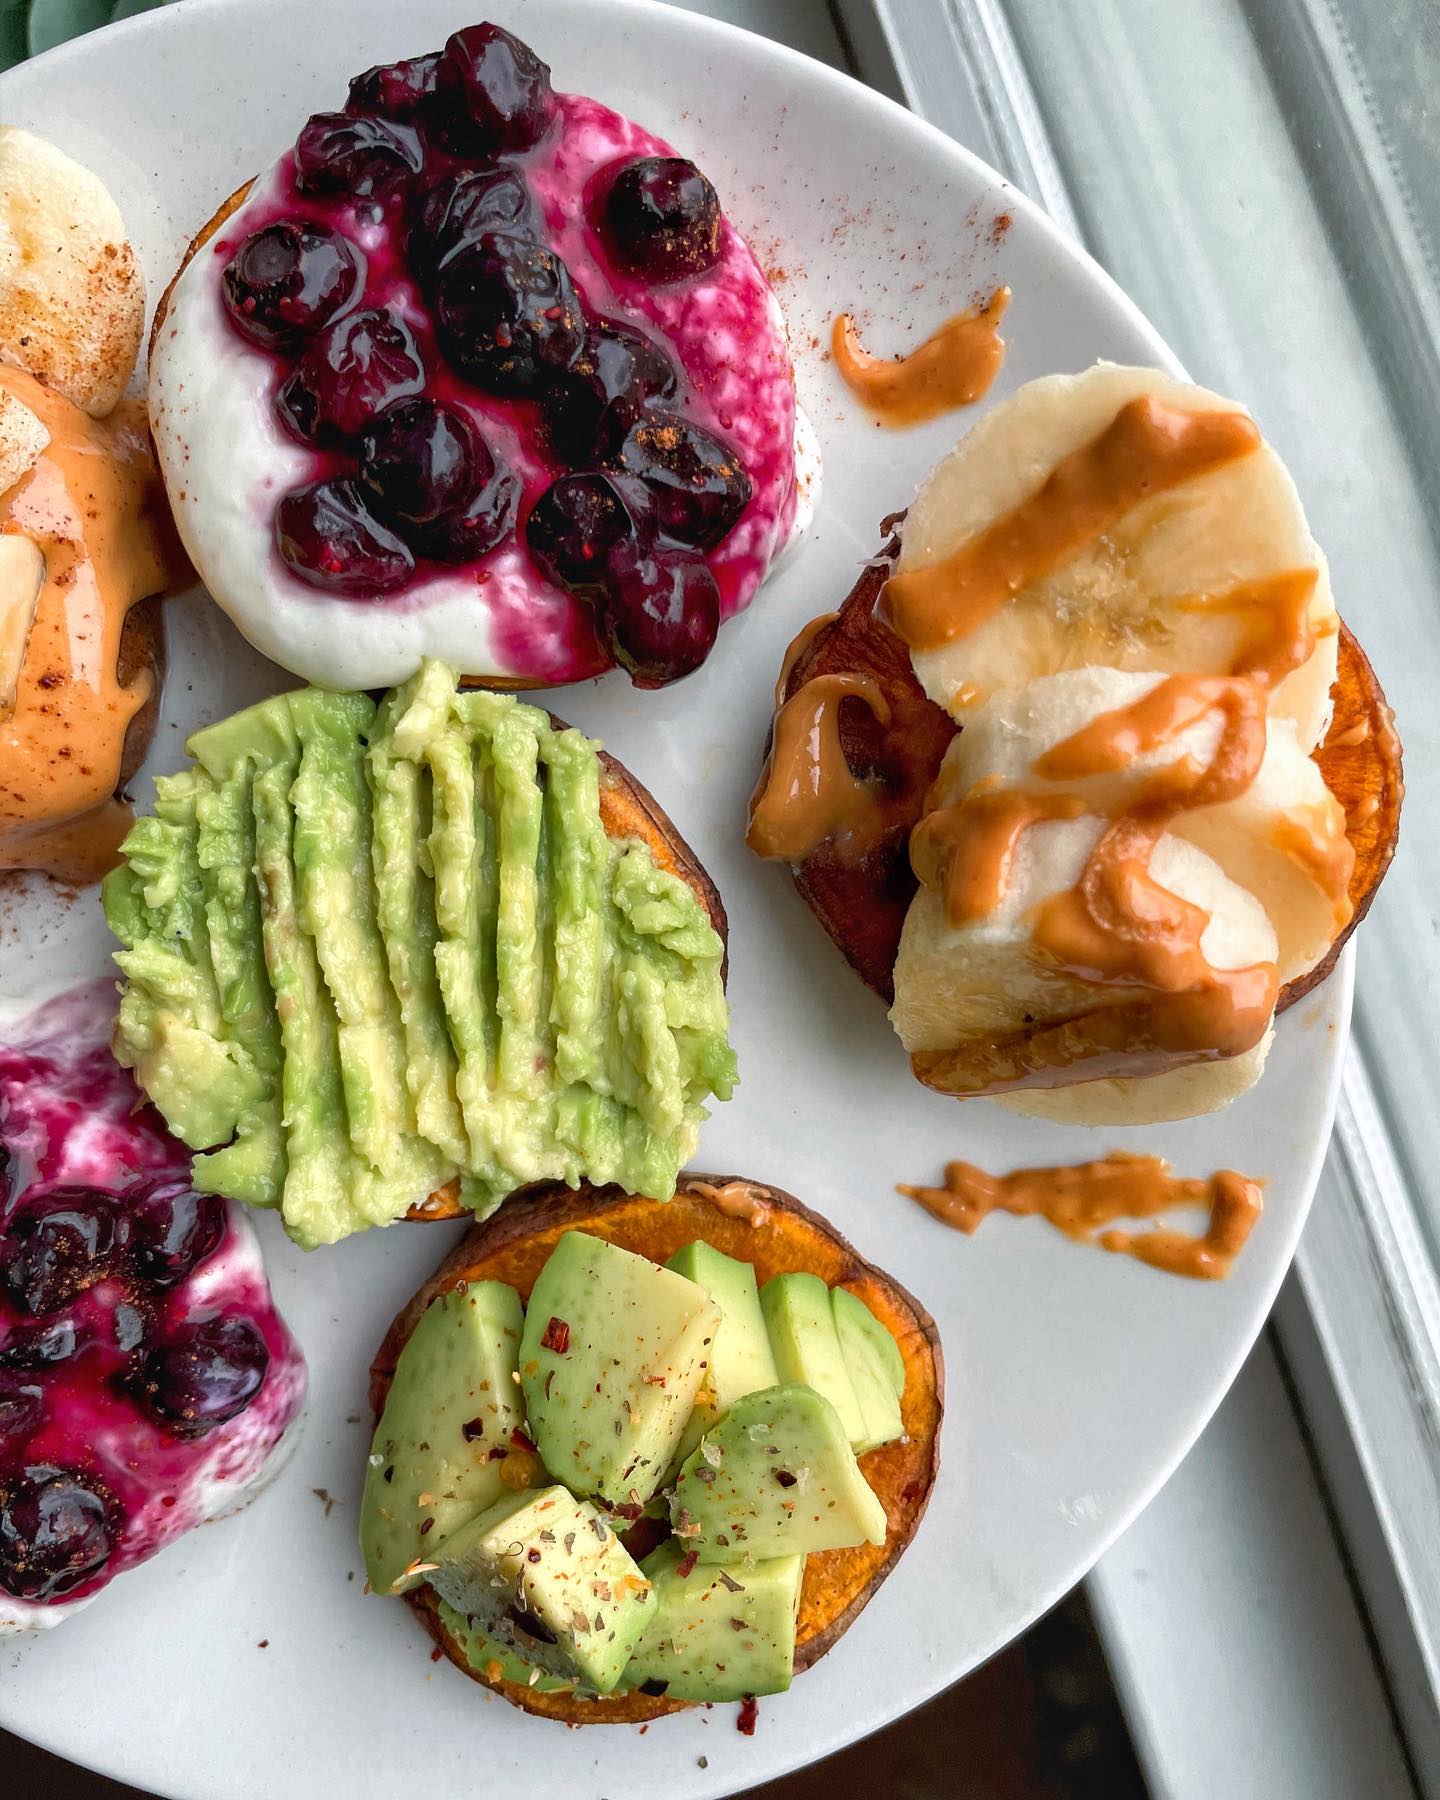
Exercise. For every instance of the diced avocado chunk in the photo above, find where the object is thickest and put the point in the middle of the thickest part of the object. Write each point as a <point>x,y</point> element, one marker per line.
<point>543,1574</point>
<point>775,1477</point>
<point>615,1349</point>
<point>718,1636</point>
<point>872,1358</point>
<point>437,1454</point>
<point>801,1326</point>
<point>740,1358</point>
<point>497,1661</point>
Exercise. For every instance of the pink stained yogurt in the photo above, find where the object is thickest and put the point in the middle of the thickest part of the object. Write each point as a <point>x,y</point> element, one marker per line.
<point>85,1446</point>
<point>213,410</point>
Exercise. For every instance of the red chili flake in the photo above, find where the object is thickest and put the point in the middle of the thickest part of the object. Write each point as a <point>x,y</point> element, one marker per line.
<point>686,1563</point>
<point>623,1509</point>
<point>498,1454</point>
<point>785,1478</point>
<point>436,1654</point>
<point>471,1430</point>
<point>749,1713</point>
<point>426,1525</point>
<point>520,1440</point>
<point>557,1337</point>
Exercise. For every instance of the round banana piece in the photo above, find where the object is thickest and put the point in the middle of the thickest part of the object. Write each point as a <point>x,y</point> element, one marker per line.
<point>984,980</point>
<point>72,297</point>
<point>1146,594</point>
<point>1282,840</point>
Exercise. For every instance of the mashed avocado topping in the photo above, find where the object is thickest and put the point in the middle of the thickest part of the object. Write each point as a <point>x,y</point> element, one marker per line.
<point>371,951</point>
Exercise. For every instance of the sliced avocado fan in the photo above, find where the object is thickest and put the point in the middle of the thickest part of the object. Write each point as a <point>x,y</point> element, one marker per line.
<point>369,952</point>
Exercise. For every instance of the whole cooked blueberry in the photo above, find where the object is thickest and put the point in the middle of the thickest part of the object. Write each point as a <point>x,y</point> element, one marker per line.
<point>591,407</point>
<point>21,1406</point>
<point>328,537</point>
<point>399,90</point>
<point>659,616</point>
<point>204,1374</point>
<point>660,218</point>
<point>417,461</point>
<point>575,526</point>
<point>39,1346</point>
<point>359,157</point>
<point>484,521</point>
<point>172,1230</point>
<point>504,86</point>
<point>56,1244</point>
<point>54,1531</point>
<point>697,483</point>
<point>459,209</point>
<point>506,314</point>
<point>355,369</point>
<point>287,280</point>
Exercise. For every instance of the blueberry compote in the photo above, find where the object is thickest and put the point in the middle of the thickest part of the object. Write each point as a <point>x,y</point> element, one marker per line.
<point>145,1376</point>
<point>478,293</point>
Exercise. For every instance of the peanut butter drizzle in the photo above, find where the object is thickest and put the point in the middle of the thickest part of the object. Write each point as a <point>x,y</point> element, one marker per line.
<point>1279,633</point>
<point>1118,926</point>
<point>1146,449</point>
<point>807,795</point>
<point>797,647</point>
<point>954,367</point>
<point>965,852</point>
<point>1082,1198</point>
<point>736,1199</point>
<point>94,505</point>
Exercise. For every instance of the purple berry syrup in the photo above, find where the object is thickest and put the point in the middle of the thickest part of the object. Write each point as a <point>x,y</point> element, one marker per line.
<point>145,1375</point>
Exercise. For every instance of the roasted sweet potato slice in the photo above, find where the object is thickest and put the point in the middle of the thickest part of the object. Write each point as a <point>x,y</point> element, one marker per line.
<point>862,904</point>
<point>513,1247</point>
<point>1363,768</point>
<point>627,810</point>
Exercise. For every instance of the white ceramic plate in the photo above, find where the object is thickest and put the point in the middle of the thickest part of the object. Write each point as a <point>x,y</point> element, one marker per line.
<point>1076,1379</point>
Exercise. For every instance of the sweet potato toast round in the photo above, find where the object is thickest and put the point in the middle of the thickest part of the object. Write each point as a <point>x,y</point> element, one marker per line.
<point>862,904</point>
<point>627,810</point>
<point>513,1246</point>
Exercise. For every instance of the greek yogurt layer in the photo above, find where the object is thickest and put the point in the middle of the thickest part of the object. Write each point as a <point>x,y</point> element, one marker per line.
<point>229,459</point>
<point>146,1379</point>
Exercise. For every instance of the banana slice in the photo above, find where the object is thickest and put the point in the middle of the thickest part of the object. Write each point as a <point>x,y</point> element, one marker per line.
<point>1183,1093</point>
<point>22,578</point>
<point>974,984</point>
<point>23,440</point>
<point>72,298</point>
<point>1147,593</point>
<point>1283,839</point>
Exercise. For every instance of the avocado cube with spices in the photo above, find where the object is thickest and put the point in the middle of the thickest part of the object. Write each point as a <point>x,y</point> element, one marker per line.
<point>614,1352</point>
<point>544,1574</point>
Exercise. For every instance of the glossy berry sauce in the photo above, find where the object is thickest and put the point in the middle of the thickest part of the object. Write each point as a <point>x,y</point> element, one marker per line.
<point>469,288</point>
<point>145,1376</point>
